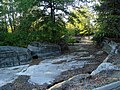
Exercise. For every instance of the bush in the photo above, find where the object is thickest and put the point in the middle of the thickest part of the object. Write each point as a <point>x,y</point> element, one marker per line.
<point>18,38</point>
<point>22,39</point>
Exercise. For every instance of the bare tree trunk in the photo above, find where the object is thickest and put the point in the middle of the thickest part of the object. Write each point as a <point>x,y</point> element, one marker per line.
<point>10,22</point>
<point>52,7</point>
<point>6,28</point>
<point>52,11</point>
<point>13,17</point>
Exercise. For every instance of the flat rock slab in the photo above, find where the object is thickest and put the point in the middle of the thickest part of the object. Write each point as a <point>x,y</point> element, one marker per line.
<point>12,56</point>
<point>8,75</point>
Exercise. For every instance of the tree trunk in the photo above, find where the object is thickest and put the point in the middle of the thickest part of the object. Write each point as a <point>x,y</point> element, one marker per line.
<point>6,28</point>
<point>52,11</point>
<point>52,7</point>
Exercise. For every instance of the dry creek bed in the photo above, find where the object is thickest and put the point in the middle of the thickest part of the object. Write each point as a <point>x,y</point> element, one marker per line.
<point>88,52</point>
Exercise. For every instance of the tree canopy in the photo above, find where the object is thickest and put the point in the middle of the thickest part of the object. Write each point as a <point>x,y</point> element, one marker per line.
<point>108,19</point>
<point>24,21</point>
<point>81,20</point>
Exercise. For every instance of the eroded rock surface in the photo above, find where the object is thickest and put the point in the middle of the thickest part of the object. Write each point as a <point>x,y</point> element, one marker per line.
<point>12,56</point>
<point>44,49</point>
<point>66,72</point>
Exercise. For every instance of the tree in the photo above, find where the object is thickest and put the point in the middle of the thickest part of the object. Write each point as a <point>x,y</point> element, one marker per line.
<point>39,20</point>
<point>109,19</point>
<point>3,21</point>
<point>8,14</point>
<point>80,21</point>
<point>43,16</point>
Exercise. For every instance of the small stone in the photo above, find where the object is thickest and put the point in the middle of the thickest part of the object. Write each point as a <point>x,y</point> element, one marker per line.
<point>88,57</point>
<point>60,62</point>
<point>99,52</point>
<point>34,89</point>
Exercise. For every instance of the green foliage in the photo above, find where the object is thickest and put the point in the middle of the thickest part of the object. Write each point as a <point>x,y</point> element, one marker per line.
<point>108,20</point>
<point>19,38</point>
<point>46,21</point>
<point>70,35</point>
<point>99,36</point>
<point>80,21</point>
<point>38,20</point>
<point>23,38</point>
<point>29,22</point>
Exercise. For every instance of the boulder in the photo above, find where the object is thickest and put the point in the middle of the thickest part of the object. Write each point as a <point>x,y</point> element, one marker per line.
<point>44,49</point>
<point>13,56</point>
<point>111,47</point>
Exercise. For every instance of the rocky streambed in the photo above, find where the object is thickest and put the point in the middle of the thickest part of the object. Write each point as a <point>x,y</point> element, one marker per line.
<point>82,59</point>
<point>71,71</point>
